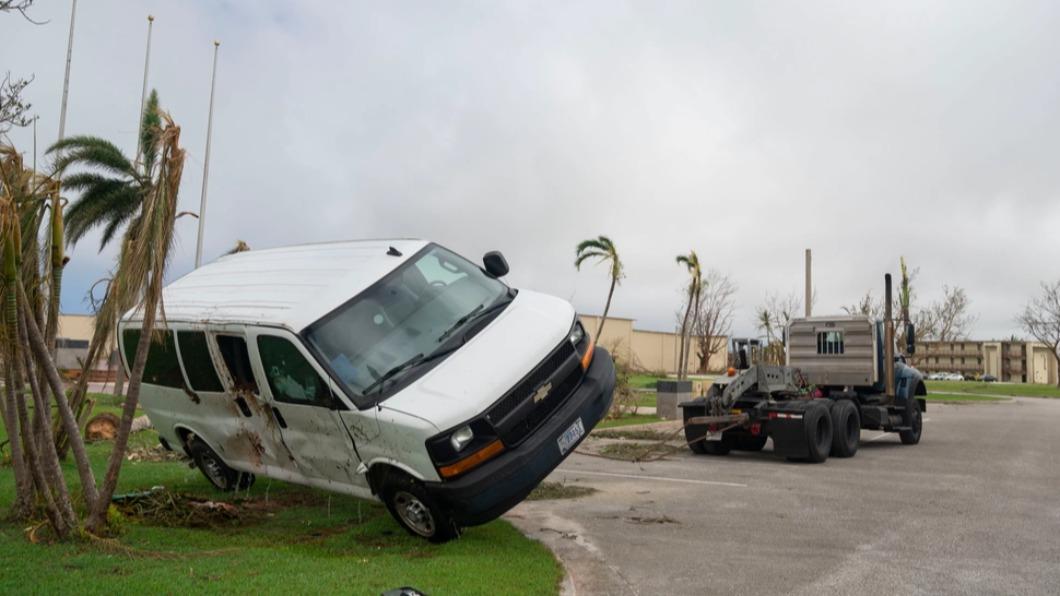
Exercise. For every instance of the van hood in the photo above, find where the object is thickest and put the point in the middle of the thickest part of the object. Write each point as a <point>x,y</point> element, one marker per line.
<point>489,364</point>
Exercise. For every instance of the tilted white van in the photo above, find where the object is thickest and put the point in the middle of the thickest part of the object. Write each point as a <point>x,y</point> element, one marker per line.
<point>391,369</point>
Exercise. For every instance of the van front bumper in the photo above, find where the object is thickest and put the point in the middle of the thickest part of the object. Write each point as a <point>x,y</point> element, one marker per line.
<point>485,493</point>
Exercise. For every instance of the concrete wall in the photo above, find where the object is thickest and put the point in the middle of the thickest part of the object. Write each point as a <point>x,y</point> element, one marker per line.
<point>648,350</point>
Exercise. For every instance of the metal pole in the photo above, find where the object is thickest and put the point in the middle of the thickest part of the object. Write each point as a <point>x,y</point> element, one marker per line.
<point>888,339</point>
<point>143,93</point>
<point>66,78</point>
<point>809,285</point>
<point>206,161</point>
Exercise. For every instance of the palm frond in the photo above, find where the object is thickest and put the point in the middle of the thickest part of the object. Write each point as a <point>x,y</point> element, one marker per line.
<point>150,129</point>
<point>91,152</point>
<point>100,203</point>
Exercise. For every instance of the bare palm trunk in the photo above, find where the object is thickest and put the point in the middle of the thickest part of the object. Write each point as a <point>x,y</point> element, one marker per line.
<point>21,508</point>
<point>684,339</point>
<point>607,307</point>
<point>40,349</point>
<point>98,517</point>
<point>77,399</point>
<point>692,329</point>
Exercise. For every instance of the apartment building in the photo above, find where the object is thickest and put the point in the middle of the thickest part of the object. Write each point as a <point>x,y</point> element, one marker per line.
<point>1012,361</point>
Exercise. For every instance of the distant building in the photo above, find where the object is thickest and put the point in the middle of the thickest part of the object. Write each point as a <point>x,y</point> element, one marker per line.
<point>72,339</point>
<point>1012,361</point>
<point>655,351</point>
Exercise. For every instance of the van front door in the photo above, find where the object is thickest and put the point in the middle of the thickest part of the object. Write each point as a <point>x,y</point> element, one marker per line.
<point>306,410</point>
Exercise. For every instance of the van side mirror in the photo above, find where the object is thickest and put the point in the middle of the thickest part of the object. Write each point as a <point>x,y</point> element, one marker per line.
<point>910,339</point>
<point>495,264</point>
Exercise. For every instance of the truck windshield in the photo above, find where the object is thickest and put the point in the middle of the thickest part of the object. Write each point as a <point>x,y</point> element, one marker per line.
<point>379,337</point>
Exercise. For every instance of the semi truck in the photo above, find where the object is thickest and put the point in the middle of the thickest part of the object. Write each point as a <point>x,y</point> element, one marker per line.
<point>841,374</point>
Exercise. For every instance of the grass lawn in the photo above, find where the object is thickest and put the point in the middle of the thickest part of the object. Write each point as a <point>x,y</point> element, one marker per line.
<point>629,420</point>
<point>287,539</point>
<point>643,381</point>
<point>646,399</point>
<point>978,387</point>
<point>962,397</point>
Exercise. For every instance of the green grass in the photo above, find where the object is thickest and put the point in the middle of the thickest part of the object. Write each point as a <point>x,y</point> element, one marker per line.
<point>629,420</point>
<point>961,397</point>
<point>644,381</point>
<point>646,399</point>
<point>978,387</point>
<point>310,541</point>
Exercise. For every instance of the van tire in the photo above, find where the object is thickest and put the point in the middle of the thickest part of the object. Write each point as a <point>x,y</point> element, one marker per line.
<point>222,477</point>
<point>416,510</point>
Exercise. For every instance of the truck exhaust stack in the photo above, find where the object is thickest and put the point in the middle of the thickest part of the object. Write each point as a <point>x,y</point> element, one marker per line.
<point>888,339</point>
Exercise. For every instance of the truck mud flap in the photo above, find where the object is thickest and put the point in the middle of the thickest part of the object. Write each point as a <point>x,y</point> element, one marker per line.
<point>789,436</point>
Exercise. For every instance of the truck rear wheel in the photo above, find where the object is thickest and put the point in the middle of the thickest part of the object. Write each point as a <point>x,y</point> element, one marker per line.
<point>914,419</point>
<point>846,429</point>
<point>817,426</point>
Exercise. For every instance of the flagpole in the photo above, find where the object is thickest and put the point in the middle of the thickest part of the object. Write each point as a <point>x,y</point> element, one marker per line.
<point>143,92</point>
<point>66,78</point>
<point>206,161</point>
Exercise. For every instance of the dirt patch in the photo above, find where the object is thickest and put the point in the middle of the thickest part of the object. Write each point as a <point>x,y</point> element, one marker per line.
<point>650,520</point>
<point>559,490</point>
<point>643,434</point>
<point>156,453</point>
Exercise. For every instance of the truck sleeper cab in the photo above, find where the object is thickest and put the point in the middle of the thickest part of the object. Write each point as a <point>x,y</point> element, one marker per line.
<point>394,370</point>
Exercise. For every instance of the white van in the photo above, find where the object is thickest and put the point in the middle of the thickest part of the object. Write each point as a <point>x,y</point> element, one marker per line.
<point>395,369</point>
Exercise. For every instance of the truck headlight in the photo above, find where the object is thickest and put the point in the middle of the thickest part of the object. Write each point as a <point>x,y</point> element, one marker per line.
<point>577,334</point>
<point>461,437</point>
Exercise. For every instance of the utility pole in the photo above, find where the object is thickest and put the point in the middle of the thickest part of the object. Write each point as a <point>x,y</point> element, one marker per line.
<point>143,92</point>
<point>66,78</point>
<point>809,285</point>
<point>206,161</point>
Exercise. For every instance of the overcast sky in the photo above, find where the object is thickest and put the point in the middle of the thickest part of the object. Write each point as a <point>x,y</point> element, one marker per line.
<point>747,131</point>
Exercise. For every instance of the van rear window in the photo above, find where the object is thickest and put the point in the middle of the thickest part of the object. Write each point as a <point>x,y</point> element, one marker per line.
<point>162,367</point>
<point>197,363</point>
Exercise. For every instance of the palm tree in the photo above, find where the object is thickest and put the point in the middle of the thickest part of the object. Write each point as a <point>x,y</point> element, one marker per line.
<point>602,249</point>
<point>695,286</point>
<point>113,190</point>
<point>112,187</point>
<point>138,280</point>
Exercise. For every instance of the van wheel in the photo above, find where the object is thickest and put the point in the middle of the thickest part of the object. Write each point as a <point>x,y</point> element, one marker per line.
<point>415,509</point>
<point>216,470</point>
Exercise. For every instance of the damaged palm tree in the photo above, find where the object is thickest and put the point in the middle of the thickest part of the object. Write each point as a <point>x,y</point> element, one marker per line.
<point>29,292</point>
<point>112,190</point>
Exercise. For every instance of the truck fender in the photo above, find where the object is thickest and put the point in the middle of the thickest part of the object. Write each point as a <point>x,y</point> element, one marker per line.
<point>377,466</point>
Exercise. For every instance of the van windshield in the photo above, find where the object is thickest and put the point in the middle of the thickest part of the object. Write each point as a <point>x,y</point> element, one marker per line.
<point>414,314</point>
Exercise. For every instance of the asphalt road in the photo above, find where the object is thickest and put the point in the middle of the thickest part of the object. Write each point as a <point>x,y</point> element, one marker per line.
<point>975,508</point>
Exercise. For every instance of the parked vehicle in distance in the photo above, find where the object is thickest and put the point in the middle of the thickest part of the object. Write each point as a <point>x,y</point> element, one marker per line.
<point>953,377</point>
<point>988,378</point>
<point>937,376</point>
<point>842,375</point>
<point>389,369</point>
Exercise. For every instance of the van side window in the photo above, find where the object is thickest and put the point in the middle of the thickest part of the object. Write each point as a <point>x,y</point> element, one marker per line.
<point>237,359</point>
<point>197,362</point>
<point>291,378</point>
<point>162,367</point>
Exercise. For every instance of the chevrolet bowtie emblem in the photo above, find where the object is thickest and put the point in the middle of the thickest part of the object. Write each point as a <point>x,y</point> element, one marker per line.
<point>541,392</point>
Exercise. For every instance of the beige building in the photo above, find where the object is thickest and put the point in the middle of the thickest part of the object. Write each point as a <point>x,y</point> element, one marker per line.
<point>655,351</point>
<point>1012,361</point>
<point>72,339</point>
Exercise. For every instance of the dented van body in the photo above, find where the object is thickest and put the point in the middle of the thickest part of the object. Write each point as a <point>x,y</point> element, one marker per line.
<point>390,369</point>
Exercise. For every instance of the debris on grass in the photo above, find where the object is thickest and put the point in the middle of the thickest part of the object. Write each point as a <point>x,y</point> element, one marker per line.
<point>643,434</point>
<point>559,490</point>
<point>634,451</point>
<point>156,453</point>
<point>160,506</point>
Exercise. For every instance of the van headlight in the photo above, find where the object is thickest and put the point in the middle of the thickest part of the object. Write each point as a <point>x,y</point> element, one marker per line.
<point>583,344</point>
<point>461,437</point>
<point>468,446</point>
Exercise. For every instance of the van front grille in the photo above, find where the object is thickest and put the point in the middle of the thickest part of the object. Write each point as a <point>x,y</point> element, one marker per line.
<point>516,415</point>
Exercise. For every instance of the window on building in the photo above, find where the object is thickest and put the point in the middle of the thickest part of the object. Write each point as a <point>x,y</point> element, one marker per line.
<point>162,367</point>
<point>291,378</point>
<point>197,363</point>
<point>830,342</point>
<point>237,360</point>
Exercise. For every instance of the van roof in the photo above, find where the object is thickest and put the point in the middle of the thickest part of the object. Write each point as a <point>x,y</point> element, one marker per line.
<point>290,286</point>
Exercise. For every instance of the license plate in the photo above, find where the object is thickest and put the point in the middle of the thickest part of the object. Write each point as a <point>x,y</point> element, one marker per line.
<point>570,436</point>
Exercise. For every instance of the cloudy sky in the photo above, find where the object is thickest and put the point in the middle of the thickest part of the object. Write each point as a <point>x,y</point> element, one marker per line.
<point>747,131</point>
